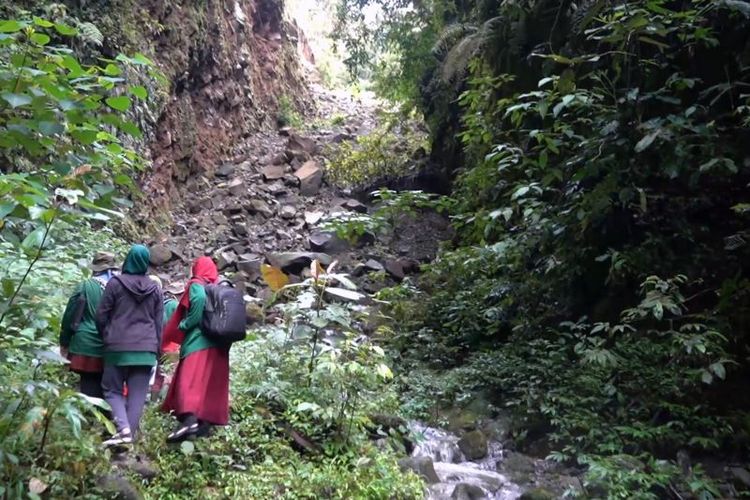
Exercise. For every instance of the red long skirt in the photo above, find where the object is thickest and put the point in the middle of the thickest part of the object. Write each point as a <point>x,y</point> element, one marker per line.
<point>201,386</point>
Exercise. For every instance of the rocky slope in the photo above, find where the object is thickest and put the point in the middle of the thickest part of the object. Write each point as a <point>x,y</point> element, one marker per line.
<point>267,205</point>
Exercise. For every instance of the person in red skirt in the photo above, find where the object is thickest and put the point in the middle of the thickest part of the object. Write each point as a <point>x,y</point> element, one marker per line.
<point>199,393</point>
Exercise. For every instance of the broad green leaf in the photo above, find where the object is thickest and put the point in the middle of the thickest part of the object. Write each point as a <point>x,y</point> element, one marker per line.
<point>34,239</point>
<point>187,448</point>
<point>40,38</point>
<point>10,26</point>
<point>64,29</point>
<point>139,91</point>
<point>345,294</point>
<point>120,103</point>
<point>647,140</point>
<point>16,100</point>
<point>42,22</point>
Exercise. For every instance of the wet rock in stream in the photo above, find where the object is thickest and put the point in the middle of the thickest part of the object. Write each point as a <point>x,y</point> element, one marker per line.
<point>500,474</point>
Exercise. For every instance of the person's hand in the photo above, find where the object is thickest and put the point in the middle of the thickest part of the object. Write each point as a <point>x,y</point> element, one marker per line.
<point>64,352</point>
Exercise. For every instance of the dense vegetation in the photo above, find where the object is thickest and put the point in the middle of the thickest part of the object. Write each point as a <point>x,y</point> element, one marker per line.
<point>598,284</point>
<point>303,389</point>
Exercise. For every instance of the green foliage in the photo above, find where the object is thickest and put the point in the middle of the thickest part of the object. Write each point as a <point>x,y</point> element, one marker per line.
<point>594,156</point>
<point>63,156</point>
<point>310,382</point>
<point>382,154</point>
<point>288,116</point>
<point>39,411</point>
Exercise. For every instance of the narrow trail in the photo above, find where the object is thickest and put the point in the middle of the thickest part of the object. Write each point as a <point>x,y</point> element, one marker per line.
<point>266,205</point>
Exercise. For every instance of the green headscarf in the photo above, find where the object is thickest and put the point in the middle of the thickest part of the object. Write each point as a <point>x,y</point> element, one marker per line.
<point>137,260</point>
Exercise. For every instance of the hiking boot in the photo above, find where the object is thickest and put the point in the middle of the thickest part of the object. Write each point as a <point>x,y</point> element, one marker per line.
<point>124,437</point>
<point>183,432</point>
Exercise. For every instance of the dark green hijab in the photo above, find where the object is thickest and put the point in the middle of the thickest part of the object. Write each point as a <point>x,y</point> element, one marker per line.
<point>137,260</point>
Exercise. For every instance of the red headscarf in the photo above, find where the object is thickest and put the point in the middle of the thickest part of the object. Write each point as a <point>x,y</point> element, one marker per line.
<point>204,273</point>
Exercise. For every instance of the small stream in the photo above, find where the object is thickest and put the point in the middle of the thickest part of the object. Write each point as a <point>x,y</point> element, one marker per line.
<point>453,469</point>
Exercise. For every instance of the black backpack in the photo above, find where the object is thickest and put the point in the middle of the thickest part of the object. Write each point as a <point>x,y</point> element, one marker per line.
<point>224,317</point>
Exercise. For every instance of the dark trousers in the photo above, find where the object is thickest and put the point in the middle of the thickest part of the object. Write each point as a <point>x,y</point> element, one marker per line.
<point>126,410</point>
<point>91,384</point>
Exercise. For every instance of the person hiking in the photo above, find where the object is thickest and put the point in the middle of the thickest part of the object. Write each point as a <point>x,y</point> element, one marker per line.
<point>199,393</point>
<point>129,319</point>
<point>79,339</point>
<point>170,305</point>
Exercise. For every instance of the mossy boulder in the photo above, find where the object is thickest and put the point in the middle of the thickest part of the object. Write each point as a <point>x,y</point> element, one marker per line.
<point>473,445</point>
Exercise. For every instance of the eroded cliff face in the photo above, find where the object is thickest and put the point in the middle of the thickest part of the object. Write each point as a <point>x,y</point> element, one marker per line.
<point>228,70</point>
<point>226,63</point>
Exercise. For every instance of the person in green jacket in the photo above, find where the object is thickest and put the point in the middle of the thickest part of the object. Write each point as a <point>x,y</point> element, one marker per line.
<point>79,340</point>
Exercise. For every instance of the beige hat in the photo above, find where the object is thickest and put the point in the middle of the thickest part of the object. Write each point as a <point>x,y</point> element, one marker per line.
<point>103,261</point>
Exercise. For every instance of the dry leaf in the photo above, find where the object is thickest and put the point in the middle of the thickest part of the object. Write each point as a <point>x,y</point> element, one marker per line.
<point>274,277</point>
<point>37,486</point>
<point>332,266</point>
<point>83,169</point>
<point>316,270</point>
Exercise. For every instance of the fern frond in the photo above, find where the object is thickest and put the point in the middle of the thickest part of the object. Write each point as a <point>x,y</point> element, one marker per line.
<point>449,37</point>
<point>89,33</point>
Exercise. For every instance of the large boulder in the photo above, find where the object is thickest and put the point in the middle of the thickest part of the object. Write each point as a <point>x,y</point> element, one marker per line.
<point>310,177</point>
<point>422,466</point>
<point>473,444</point>
<point>298,144</point>
<point>160,254</point>
<point>295,262</point>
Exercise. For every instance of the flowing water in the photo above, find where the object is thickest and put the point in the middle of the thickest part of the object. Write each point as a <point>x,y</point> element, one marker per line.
<point>453,468</point>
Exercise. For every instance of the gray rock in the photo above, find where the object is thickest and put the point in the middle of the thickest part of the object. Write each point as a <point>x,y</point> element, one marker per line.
<point>237,187</point>
<point>233,207</point>
<point>239,229</point>
<point>295,262</point>
<point>297,143</point>
<point>137,464</point>
<point>288,212</point>
<point>537,494</point>
<point>159,254</point>
<point>273,172</point>
<point>291,180</point>
<point>327,242</point>
<point>225,170</point>
<point>251,267</point>
<point>422,466</point>
<point>741,476</point>
<point>220,219</point>
<point>467,491</point>
<point>473,444</point>
<point>310,177</point>
<point>374,265</point>
<point>277,188</point>
<point>312,218</point>
<point>355,206</point>
<point>258,206</point>
<point>395,269</point>
<point>225,260</point>
<point>119,487</point>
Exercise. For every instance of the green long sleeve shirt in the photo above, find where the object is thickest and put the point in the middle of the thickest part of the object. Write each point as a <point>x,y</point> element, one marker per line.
<point>83,339</point>
<point>191,323</point>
